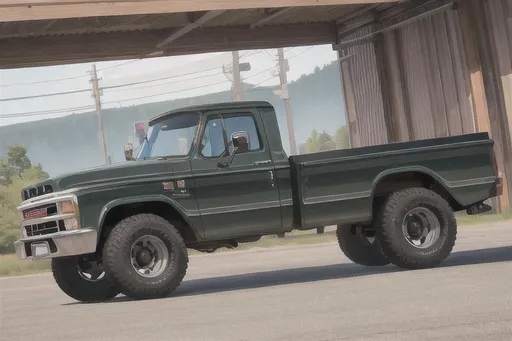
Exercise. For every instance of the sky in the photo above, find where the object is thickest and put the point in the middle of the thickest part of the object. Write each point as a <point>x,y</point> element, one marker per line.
<point>163,78</point>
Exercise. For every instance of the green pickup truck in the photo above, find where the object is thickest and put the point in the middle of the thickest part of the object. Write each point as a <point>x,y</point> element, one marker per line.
<point>214,176</point>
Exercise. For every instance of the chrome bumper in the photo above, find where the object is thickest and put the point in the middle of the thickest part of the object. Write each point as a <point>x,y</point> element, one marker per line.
<point>61,244</point>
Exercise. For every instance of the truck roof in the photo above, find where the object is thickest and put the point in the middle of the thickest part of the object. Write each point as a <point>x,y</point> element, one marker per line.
<point>212,106</point>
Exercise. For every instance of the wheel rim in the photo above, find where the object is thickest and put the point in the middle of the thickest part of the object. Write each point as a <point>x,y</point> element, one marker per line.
<point>149,256</point>
<point>90,271</point>
<point>421,227</point>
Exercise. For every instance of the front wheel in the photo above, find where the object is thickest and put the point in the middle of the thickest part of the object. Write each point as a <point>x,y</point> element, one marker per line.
<point>417,228</point>
<point>82,280</point>
<point>145,257</point>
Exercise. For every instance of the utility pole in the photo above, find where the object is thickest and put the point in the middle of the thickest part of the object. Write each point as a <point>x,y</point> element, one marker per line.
<point>237,83</point>
<point>96,94</point>
<point>286,98</point>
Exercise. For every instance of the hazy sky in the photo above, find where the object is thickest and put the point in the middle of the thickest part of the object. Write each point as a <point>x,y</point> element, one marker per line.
<point>186,76</point>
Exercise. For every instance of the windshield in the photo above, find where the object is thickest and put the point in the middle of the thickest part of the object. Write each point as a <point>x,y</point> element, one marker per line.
<point>172,136</point>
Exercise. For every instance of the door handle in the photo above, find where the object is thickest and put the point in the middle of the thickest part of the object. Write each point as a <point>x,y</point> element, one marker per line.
<point>259,163</point>
<point>271,175</point>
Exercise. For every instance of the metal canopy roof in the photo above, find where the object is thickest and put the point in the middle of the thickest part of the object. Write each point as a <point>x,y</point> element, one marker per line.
<point>62,39</point>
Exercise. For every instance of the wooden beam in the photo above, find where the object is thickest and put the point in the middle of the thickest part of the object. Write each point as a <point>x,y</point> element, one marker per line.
<point>278,13</point>
<point>186,29</point>
<point>22,10</point>
<point>55,50</point>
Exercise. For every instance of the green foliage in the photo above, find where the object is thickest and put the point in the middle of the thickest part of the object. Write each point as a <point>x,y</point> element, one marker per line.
<point>324,142</point>
<point>17,159</point>
<point>10,193</point>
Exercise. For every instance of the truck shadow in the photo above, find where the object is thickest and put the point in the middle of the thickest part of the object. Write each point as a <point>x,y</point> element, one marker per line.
<point>320,273</point>
<point>326,272</point>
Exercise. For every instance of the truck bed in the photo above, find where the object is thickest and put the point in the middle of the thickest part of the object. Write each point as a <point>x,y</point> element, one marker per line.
<point>341,183</point>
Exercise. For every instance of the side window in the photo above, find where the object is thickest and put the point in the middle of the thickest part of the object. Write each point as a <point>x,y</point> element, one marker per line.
<point>212,142</point>
<point>235,123</point>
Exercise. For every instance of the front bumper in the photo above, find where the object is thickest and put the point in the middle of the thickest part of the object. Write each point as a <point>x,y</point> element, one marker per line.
<point>61,244</point>
<point>50,227</point>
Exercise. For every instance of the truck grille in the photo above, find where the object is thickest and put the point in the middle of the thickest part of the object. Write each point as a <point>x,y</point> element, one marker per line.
<point>44,228</point>
<point>32,192</point>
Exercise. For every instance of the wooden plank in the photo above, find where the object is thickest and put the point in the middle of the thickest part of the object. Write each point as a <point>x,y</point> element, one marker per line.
<point>14,10</point>
<point>55,50</point>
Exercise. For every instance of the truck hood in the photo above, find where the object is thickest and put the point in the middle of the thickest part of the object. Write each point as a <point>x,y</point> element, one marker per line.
<point>131,171</point>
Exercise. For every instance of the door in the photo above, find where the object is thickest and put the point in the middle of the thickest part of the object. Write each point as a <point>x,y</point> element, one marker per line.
<point>241,199</point>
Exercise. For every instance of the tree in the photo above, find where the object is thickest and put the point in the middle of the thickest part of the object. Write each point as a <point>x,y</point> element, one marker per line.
<point>318,143</point>
<point>5,171</point>
<point>17,163</point>
<point>17,159</point>
<point>35,173</point>
<point>341,138</point>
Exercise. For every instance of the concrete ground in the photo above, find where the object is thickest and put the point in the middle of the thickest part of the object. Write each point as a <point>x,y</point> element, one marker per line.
<point>294,293</point>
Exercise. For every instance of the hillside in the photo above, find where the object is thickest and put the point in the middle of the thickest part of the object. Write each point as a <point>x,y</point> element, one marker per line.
<point>71,142</point>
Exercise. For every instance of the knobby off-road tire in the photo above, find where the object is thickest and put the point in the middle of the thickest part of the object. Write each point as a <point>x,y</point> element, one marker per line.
<point>82,284</point>
<point>134,245</point>
<point>402,215</point>
<point>357,247</point>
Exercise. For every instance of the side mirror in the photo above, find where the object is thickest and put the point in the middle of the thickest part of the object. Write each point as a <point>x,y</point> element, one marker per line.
<point>240,141</point>
<point>128,152</point>
<point>238,144</point>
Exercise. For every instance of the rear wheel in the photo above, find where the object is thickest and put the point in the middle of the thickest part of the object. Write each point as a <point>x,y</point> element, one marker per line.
<point>417,228</point>
<point>145,257</point>
<point>82,280</point>
<point>359,244</point>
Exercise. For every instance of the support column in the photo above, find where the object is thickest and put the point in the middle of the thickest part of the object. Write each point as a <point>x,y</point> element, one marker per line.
<point>488,92</point>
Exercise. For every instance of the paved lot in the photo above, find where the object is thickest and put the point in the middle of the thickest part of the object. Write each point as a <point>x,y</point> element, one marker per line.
<point>297,293</point>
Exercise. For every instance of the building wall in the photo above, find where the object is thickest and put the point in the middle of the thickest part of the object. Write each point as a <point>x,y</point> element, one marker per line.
<point>432,72</point>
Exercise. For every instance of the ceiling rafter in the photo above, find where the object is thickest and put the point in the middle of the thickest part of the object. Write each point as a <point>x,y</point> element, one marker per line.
<point>190,27</point>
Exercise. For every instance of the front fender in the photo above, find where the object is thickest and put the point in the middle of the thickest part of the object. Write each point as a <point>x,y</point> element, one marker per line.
<point>146,198</point>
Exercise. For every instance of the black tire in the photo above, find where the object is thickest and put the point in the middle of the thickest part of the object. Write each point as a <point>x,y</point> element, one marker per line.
<point>320,230</point>
<point>67,273</point>
<point>394,228</point>
<point>358,248</point>
<point>280,235</point>
<point>118,264</point>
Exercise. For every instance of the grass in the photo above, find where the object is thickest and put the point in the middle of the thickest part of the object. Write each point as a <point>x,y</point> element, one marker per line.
<point>10,265</point>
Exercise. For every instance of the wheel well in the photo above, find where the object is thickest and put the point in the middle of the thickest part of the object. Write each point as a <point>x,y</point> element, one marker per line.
<point>159,208</point>
<point>399,181</point>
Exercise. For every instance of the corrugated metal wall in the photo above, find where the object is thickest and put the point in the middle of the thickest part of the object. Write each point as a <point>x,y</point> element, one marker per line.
<point>441,71</point>
<point>422,89</point>
<point>362,89</point>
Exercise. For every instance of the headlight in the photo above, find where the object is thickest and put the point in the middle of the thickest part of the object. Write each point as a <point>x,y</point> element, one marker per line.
<point>68,207</point>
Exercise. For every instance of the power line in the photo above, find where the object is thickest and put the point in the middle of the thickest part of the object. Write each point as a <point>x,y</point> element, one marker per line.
<point>56,111</point>
<point>167,93</point>
<point>104,88</point>
<point>158,79</point>
<point>255,85</point>
<point>42,82</point>
<point>261,72</point>
<point>45,95</point>
<point>166,83</point>
<point>47,112</point>
<point>120,64</point>
<point>301,52</point>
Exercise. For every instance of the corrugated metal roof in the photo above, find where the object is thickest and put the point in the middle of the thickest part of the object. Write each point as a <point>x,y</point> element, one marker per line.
<point>297,15</point>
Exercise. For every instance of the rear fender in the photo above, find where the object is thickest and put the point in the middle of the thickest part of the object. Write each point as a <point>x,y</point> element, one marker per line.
<point>416,169</point>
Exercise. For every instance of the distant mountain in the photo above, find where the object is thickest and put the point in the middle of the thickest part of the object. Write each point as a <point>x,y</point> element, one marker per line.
<point>71,142</point>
